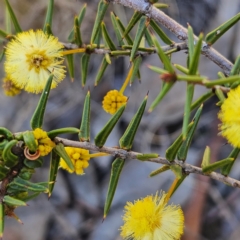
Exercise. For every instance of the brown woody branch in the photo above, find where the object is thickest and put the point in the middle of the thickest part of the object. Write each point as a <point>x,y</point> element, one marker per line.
<point>178,30</point>
<point>116,152</point>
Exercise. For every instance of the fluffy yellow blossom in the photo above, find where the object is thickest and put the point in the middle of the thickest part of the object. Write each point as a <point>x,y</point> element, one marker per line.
<point>9,87</point>
<point>230,117</point>
<point>31,57</point>
<point>79,157</point>
<point>113,101</point>
<point>151,219</point>
<point>45,144</point>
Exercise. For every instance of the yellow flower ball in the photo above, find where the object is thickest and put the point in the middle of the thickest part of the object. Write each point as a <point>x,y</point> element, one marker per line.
<point>9,87</point>
<point>113,101</point>
<point>151,219</point>
<point>229,116</point>
<point>30,59</point>
<point>79,158</point>
<point>45,144</point>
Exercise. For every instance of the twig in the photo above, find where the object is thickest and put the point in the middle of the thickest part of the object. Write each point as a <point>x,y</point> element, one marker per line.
<point>178,46</point>
<point>178,30</point>
<point>116,152</point>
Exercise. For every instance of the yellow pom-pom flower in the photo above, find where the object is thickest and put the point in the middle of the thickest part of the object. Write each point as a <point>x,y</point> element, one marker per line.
<point>9,87</point>
<point>113,101</point>
<point>230,117</point>
<point>31,57</point>
<point>151,218</point>
<point>45,144</point>
<point>79,158</point>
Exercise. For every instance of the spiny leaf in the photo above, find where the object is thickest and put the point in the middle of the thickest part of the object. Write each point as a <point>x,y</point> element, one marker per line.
<point>216,165</point>
<point>142,26</point>
<point>214,35</point>
<point>159,170</point>
<point>37,118</point>
<point>49,15</point>
<point>182,152</point>
<point>117,167</point>
<point>84,67</point>
<point>227,168</point>
<point>81,15</point>
<point>160,33</point>
<point>107,38</point>
<point>102,8</point>
<point>101,71</point>
<point>126,140</point>
<point>117,29</point>
<point>136,16</point>
<point>102,136</point>
<point>84,134</point>
<point>54,164</point>
<point>13,17</point>
<point>60,150</point>
<point>206,157</point>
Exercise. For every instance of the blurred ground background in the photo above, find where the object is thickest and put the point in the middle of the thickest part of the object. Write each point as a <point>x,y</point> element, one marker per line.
<point>76,207</point>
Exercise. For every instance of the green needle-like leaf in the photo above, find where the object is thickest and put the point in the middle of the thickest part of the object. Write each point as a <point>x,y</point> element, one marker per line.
<point>3,34</point>
<point>206,157</point>
<point>182,152</point>
<point>13,17</point>
<point>77,33</point>
<point>102,8</point>
<point>165,60</point>
<point>171,152</point>
<point>236,67</point>
<point>71,37</point>
<point>227,168</point>
<point>102,136</point>
<point>164,168</point>
<point>54,164</point>
<point>142,26</point>
<point>214,35</point>
<point>231,79</point>
<point>160,33</point>
<point>148,37</point>
<point>107,38</point>
<point>165,89</point>
<point>84,134</point>
<point>49,15</point>
<point>117,29</point>
<point>101,71</point>
<point>29,140</point>
<point>219,164</point>
<point>84,67</point>
<point>70,61</point>
<point>126,140</point>
<point>136,64</point>
<point>117,167</point>
<point>194,61</point>
<point>2,218</point>
<point>202,99</point>
<point>187,108</point>
<point>60,150</point>
<point>147,156</point>
<point>122,28</point>
<point>135,18</point>
<point>54,133</point>
<point>190,42</point>
<point>37,118</point>
<point>13,201</point>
